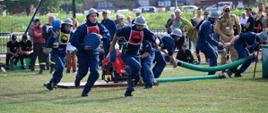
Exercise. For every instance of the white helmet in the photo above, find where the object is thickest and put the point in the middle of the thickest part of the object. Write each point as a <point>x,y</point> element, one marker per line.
<point>140,20</point>
<point>68,21</point>
<point>176,32</point>
<point>92,11</point>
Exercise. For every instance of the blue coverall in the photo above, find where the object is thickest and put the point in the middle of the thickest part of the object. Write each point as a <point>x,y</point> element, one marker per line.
<point>58,55</point>
<point>205,43</point>
<point>146,70</point>
<point>130,51</point>
<point>168,43</point>
<point>110,25</point>
<point>246,40</point>
<point>88,59</point>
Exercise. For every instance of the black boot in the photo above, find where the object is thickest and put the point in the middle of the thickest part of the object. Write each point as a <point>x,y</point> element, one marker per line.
<point>237,75</point>
<point>77,83</point>
<point>129,92</point>
<point>49,86</point>
<point>130,88</point>
<point>42,68</point>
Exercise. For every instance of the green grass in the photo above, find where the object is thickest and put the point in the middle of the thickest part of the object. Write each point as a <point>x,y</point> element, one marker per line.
<point>19,23</point>
<point>23,92</point>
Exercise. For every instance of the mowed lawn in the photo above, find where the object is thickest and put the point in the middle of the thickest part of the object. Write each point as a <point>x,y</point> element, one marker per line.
<point>23,92</point>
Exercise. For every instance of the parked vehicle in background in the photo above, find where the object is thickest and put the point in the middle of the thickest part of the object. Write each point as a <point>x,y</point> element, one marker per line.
<point>219,6</point>
<point>123,11</point>
<point>172,9</point>
<point>240,5</point>
<point>212,7</point>
<point>189,8</point>
<point>151,9</point>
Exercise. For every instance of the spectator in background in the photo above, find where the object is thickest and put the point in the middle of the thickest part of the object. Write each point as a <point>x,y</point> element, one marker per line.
<point>196,21</point>
<point>108,23</point>
<point>31,27</point>
<point>197,18</point>
<point>169,23</point>
<point>129,23</point>
<point>47,30</point>
<point>185,54</point>
<point>261,16</point>
<point>266,21</point>
<point>72,52</point>
<point>12,51</point>
<point>138,12</point>
<point>38,44</point>
<point>251,21</point>
<point>25,50</point>
<point>116,18</point>
<point>206,15</point>
<point>183,24</point>
<point>121,22</point>
<point>75,24</point>
<point>243,22</point>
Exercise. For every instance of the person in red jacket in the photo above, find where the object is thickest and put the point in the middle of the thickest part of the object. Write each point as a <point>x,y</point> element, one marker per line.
<point>38,44</point>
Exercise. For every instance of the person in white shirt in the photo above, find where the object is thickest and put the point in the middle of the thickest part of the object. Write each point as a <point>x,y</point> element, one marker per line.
<point>243,22</point>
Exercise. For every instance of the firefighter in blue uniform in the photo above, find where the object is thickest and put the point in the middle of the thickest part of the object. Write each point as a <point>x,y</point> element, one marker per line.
<point>242,44</point>
<point>134,37</point>
<point>205,41</point>
<point>167,46</point>
<point>88,57</point>
<point>147,57</point>
<point>58,41</point>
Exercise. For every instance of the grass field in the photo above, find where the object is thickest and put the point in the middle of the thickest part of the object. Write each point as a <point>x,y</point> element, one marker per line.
<point>23,92</point>
<point>19,23</point>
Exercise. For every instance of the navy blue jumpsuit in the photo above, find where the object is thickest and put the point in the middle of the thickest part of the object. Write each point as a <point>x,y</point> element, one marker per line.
<point>130,50</point>
<point>245,41</point>
<point>146,71</point>
<point>58,55</point>
<point>88,59</point>
<point>168,43</point>
<point>205,43</point>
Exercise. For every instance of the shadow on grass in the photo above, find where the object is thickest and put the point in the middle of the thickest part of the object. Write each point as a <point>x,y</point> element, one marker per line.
<point>85,100</point>
<point>254,80</point>
<point>24,93</point>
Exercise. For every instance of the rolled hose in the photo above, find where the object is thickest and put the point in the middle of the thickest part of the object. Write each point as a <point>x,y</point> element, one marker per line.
<point>215,68</point>
<point>175,79</point>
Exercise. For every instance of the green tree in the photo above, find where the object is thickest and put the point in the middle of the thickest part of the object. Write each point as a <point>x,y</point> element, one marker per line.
<point>19,6</point>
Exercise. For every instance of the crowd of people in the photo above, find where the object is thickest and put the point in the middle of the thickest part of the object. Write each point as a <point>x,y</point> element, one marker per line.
<point>144,53</point>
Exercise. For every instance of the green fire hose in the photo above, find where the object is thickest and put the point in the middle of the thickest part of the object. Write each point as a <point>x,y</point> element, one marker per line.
<point>175,79</point>
<point>215,68</point>
<point>265,61</point>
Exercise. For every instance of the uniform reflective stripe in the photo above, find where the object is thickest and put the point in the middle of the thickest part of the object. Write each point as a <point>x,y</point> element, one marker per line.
<point>42,63</point>
<point>52,62</point>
